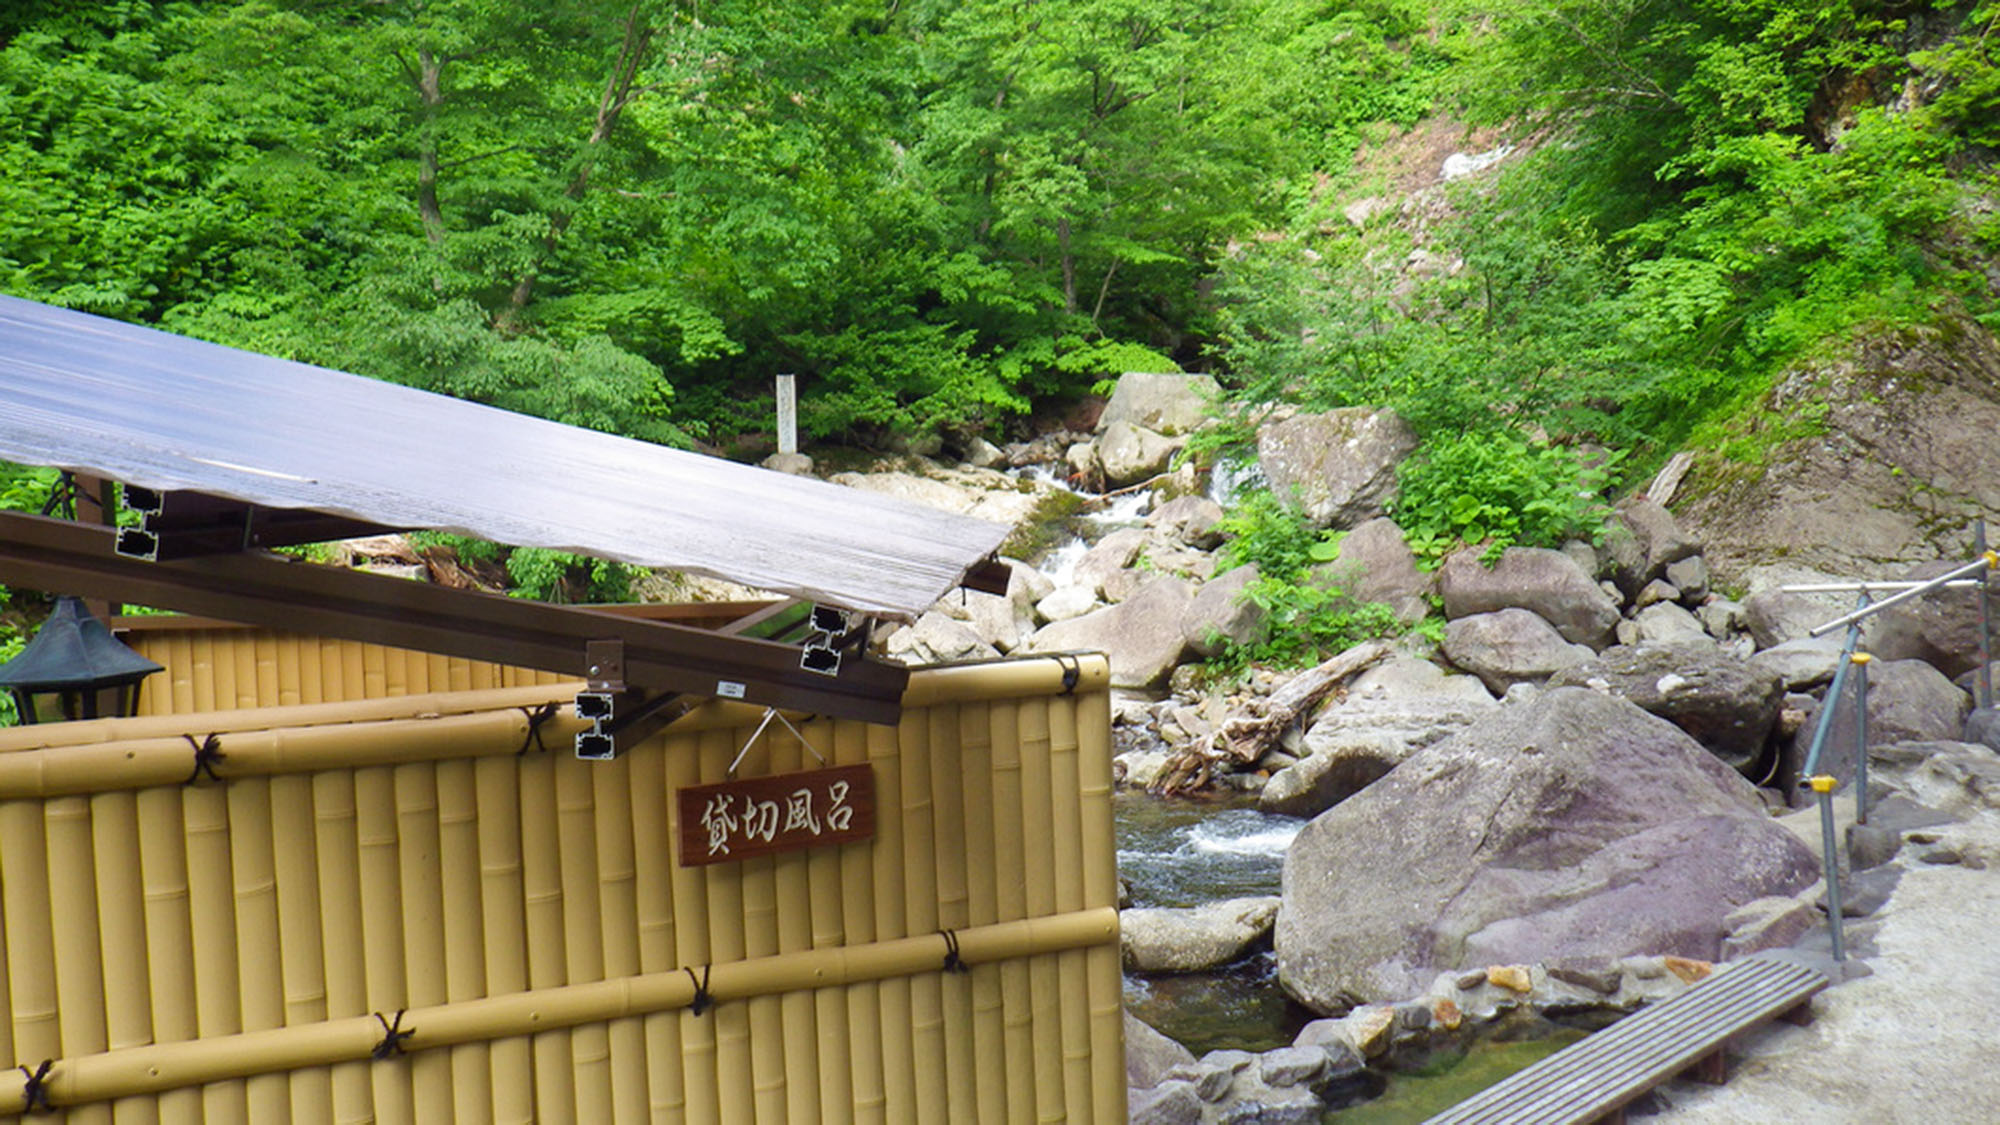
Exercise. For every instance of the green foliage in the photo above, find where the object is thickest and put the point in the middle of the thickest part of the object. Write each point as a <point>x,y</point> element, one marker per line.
<point>1273,535</point>
<point>1502,491</point>
<point>558,576</point>
<point>1308,622</point>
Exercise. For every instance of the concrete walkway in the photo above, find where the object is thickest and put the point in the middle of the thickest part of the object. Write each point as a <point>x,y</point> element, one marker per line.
<point>1914,1041</point>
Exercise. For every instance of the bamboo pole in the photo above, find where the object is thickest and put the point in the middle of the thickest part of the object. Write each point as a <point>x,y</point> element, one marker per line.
<point>24,896</point>
<point>6,990</point>
<point>824,883</point>
<point>1100,890</point>
<point>170,961</point>
<point>386,984</point>
<point>353,670</point>
<point>291,686</point>
<point>618,923</point>
<point>961,1063</point>
<point>212,910</point>
<point>1031,733</point>
<point>420,878</point>
<point>464,944</point>
<point>653,919</point>
<point>542,901</point>
<point>208,1061</point>
<point>375,672</point>
<point>261,988</point>
<point>243,653</point>
<point>857,921</point>
<point>503,924</point>
<point>79,965</point>
<point>201,649</point>
<point>302,956</point>
<point>121,929</point>
<point>989,1032</point>
<point>798,1012</point>
<point>925,1033</point>
<point>266,690</point>
<point>1010,679</point>
<point>395,671</point>
<point>696,1034</point>
<point>312,673</point>
<point>899,1078</point>
<point>164,761</point>
<point>1010,883</point>
<point>337,854</point>
<point>735,1066</point>
<point>583,931</point>
<point>1067,782</point>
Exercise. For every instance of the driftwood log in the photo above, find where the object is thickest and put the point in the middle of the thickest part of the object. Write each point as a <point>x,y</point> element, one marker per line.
<point>1244,736</point>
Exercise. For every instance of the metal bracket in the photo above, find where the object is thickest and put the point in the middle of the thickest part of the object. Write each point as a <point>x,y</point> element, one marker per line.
<point>621,721</point>
<point>605,663</point>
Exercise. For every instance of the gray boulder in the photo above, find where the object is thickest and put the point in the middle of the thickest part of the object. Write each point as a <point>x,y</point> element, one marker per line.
<point>1340,466</point>
<point>1189,519</point>
<point>1801,664</point>
<point>1116,552</point>
<point>1149,1054</point>
<point>1165,404</point>
<point>936,638</point>
<point>1171,1102</point>
<point>1375,564</point>
<point>1726,704</point>
<point>1141,634</point>
<point>1910,701</point>
<point>1221,615</point>
<point>1194,939</point>
<point>1659,540</point>
<point>1576,825</point>
<point>1940,627</point>
<point>1066,603</point>
<point>1547,582</point>
<point>1130,454</point>
<point>1664,623</point>
<point>1508,647</point>
<point>1001,620</point>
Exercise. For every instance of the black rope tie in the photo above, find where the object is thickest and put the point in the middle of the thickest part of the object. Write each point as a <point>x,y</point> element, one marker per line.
<point>702,1001</point>
<point>393,1034</point>
<point>207,752</point>
<point>1072,668</point>
<point>536,718</point>
<point>35,1096</point>
<point>952,962</point>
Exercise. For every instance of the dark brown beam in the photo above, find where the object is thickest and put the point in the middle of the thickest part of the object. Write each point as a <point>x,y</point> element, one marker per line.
<point>989,577</point>
<point>279,593</point>
<point>193,524</point>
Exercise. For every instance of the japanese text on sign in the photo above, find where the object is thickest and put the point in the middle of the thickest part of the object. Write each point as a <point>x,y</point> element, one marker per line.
<point>758,816</point>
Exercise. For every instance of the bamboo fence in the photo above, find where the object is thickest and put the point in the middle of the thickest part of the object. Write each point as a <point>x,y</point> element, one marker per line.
<point>383,900</point>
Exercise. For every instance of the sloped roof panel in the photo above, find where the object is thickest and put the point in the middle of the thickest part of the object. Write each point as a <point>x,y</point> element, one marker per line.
<point>150,408</point>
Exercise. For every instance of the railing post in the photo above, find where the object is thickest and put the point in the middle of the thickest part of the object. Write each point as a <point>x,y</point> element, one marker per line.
<point>1823,785</point>
<point>1861,660</point>
<point>1832,700</point>
<point>1985,618</point>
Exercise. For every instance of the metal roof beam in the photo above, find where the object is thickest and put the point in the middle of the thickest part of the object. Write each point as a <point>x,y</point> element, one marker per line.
<point>279,593</point>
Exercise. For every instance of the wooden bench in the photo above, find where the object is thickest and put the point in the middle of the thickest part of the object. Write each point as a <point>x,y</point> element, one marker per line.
<point>1597,1077</point>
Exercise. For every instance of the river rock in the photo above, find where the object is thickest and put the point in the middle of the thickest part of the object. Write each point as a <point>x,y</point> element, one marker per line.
<point>1141,634</point>
<point>1107,558</point>
<point>1664,623</point>
<point>1375,564</point>
<point>1189,519</point>
<point>1726,704</point>
<point>1066,602</point>
<point>1001,620</point>
<point>1130,454</point>
<point>938,639</point>
<point>1910,701</point>
<point>1339,466</point>
<point>1220,615</point>
<point>1391,711</point>
<point>1172,1102</point>
<point>1659,539</point>
<point>1194,939</point>
<point>1802,664</point>
<point>1149,1054</point>
<point>1574,826</point>
<point>1165,404</point>
<point>1549,583</point>
<point>1940,627</point>
<point>984,493</point>
<point>1774,922</point>
<point>1511,646</point>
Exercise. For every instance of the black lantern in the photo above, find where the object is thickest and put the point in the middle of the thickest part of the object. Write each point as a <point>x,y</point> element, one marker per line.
<point>74,669</point>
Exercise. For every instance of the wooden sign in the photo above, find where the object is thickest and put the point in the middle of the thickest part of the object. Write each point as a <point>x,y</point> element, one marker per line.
<point>760,815</point>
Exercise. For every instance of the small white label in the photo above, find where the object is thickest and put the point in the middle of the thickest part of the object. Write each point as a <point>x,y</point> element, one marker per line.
<point>728,689</point>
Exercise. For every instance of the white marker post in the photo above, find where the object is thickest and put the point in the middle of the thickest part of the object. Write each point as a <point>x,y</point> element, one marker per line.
<point>788,415</point>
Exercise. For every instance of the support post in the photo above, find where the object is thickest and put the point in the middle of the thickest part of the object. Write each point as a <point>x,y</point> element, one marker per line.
<point>1822,784</point>
<point>1985,618</point>
<point>788,414</point>
<point>1861,660</point>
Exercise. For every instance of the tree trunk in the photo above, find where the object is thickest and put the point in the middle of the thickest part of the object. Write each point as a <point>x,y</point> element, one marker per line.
<point>1068,266</point>
<point>428,78</point>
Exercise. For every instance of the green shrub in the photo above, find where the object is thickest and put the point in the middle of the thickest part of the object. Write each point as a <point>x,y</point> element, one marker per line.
<point>1307,623</point>
<point>1264,530</point>
<point>1500,490</point>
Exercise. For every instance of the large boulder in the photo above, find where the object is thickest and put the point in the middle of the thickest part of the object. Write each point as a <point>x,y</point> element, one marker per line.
<point>1391,711</point>
<point>1547,582</point>
<point>1910,701</point>
<point>1221,615</point>
<point>1130,454</point>
<point>1727,704</point>
<point>1000,620</point>
<point>1194,939</point>
<point>1940,627</point>
<point>1574,826</point>
<point>1658,539</point>
<point>1150,1054</point>
<point>1142,634</point>
<point>1165,404</point>
<point>1898,460</point>
<point>1375,564</point>
<point>1340,466</point>
<point>938,639</point>
<point>1508,647</point>
<point>1107,559</point>
<point>1189,519</point>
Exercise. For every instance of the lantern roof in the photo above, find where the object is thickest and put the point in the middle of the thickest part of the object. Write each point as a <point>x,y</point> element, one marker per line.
<point>73,650</point>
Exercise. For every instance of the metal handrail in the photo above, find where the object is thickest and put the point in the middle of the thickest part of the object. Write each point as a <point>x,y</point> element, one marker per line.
<point>1988,560</point>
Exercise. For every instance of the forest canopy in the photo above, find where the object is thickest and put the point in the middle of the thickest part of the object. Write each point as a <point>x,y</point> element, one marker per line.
<point>630,215</point>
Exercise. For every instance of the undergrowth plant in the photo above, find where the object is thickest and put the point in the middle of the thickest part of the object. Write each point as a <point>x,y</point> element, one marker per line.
<point>1308,618</point>
<point>1500,490</point>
